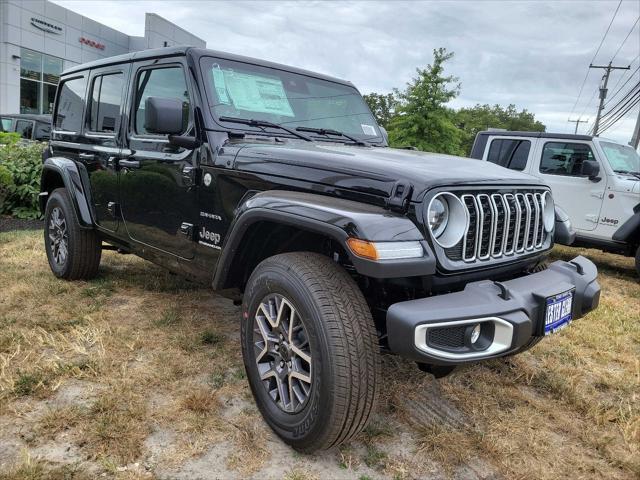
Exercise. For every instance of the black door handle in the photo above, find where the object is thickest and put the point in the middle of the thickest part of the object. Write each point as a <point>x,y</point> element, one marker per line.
<point>129,163</point>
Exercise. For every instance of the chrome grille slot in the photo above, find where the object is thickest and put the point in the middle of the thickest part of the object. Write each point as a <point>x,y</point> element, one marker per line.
<point>500,225</point>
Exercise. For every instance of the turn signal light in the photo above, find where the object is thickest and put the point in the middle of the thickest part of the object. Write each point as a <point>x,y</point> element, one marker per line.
<point>385,250</point>
<point>362,248</point>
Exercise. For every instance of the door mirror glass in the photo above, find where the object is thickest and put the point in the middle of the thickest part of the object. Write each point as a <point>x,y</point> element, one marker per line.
<point>591,169</point>
<point>163,115</point>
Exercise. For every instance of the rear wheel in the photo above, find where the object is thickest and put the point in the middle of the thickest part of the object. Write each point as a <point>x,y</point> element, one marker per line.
<point>638,260</point>
<point>73,253</point>
<point>310,350</point>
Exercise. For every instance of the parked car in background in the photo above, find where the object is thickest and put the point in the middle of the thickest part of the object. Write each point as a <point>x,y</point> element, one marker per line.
<point>595,182</point>
<point>29,126</point>
<point>275,186</point>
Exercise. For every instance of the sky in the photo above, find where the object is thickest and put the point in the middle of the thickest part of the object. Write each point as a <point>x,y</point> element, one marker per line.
<point>534,54</point>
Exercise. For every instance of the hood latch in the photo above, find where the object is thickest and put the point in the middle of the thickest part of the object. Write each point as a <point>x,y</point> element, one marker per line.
<point>400,197</point>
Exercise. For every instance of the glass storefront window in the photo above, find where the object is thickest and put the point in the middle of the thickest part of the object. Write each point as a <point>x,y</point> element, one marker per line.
<point>30,96</point>
<point>30,64</point>
<point>48,97</point>
<point>39,78</point>
<point>51,68</point>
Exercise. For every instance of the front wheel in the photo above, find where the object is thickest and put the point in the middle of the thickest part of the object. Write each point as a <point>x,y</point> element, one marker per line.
<point>73,253</point>
<point>310,350</point>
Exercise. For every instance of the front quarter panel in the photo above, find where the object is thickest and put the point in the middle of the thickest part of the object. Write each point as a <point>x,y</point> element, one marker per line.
<point>336,218</point>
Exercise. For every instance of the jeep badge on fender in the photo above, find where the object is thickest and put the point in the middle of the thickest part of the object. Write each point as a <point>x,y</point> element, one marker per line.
<point>292,203</point>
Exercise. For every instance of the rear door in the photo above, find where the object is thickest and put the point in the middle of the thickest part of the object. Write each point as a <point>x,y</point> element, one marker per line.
<point>102,140</point>
<point>559,166</point>
<point>157,180</point>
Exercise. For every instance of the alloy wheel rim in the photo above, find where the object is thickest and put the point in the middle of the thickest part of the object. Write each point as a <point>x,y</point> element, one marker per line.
<point>283,353</point>
<point>58,236</point>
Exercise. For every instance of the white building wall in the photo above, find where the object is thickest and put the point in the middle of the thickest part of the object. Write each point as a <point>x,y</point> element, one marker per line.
<point>16,30</point>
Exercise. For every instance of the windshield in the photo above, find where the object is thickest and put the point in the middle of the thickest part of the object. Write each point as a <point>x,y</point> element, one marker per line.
<point>622,158</point>
<point>241,90</point>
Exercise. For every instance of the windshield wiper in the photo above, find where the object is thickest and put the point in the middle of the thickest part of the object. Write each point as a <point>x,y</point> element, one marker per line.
<point>326,131</point>
<point>628,172</point>
<point>263,123</point>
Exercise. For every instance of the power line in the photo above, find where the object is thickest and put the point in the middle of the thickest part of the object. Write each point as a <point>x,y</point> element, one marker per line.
<point>584,80</point>
<point>622,86</point>
<point>625,73</point>
<point>613,115</point>
<point>626,96</point>
<point>603,91</point>
<point>625,40</point>
<point>621,114</point>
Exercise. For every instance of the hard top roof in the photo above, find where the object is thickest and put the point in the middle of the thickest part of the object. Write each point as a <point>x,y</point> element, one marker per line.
<point>564,136</point>
<point>196,53</point>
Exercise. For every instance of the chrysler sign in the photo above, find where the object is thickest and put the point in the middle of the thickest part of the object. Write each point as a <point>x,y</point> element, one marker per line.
<point>46,26</point>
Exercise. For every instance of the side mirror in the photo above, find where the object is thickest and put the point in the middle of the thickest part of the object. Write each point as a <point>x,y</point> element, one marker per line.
<point>163,115</point>
<point>591,169</point>
<point>385,134</point>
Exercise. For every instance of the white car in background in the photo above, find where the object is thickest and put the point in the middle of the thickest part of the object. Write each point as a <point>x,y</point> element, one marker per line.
<point>595,183</point>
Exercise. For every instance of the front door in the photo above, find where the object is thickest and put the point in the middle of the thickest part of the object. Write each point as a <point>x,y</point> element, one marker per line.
<point>157,188</point>
<point>560,168</point>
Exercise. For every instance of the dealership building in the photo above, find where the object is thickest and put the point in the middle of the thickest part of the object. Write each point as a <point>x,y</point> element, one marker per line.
<point>39,39</point>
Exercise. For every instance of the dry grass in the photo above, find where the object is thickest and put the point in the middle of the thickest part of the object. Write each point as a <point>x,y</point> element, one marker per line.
<point>140,373</point>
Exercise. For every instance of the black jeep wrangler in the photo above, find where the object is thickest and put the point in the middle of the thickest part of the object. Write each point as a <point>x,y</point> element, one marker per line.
<point>276,186</point>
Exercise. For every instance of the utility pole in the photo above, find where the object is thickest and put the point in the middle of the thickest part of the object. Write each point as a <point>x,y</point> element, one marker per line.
<point>636,134</point>
<point>578,121</point>
<point>603,91</point>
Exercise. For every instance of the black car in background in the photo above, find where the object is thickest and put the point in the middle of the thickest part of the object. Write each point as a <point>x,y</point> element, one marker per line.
<point>29,126</point>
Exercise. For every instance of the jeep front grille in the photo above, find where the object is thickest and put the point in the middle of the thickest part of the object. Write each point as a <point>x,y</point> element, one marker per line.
<point>500,224</point>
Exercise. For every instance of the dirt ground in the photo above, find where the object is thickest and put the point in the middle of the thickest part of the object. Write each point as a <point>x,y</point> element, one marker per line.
<point>137,374</point>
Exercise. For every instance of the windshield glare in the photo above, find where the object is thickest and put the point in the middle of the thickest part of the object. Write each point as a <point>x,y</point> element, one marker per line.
<point>622,158</point>
<point>253,92</point>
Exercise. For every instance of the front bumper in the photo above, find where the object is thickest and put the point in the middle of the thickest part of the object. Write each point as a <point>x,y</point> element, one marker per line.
<point>513,312</point>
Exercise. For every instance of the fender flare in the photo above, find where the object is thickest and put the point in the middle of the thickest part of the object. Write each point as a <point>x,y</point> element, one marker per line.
<point>335,218</point>
<point>71,175</point>
<point>564,233</point>
<point>629,231</point>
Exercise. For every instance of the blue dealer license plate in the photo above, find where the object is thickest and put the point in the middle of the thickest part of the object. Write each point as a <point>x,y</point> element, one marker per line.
<point>558,312</point>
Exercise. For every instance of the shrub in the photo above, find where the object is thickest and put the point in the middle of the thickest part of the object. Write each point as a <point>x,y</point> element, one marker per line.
<point>23,162</point>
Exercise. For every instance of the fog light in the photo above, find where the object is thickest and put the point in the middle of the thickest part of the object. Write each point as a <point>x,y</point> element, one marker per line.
<point>475,333</point>
<point>475,338</point>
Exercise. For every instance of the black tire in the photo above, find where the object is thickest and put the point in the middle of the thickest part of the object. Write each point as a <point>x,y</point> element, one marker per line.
<point>341,339</point>
<point>638,260</point>
<point>83,247</point>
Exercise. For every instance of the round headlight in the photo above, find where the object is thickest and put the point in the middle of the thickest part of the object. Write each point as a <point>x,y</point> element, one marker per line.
<point>446,217</point>
<point>548,212</point>
<point>437,216</point>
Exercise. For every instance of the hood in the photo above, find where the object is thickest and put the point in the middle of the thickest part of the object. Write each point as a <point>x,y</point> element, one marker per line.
<point>373,170</point>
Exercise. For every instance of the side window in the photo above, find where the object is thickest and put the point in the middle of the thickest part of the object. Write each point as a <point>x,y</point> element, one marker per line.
<point>24,128</point>
<point>560,158</point>
<point>106,98</point>
<point>509,153</point>
<point>70,104</point>
<point>43,131</point>
<point>5,124</point>
<point>160,82</point>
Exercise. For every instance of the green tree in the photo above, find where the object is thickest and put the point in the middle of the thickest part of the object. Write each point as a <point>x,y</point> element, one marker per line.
<point>423,120</point>
<point>383,106</point>
<point>480,117</point>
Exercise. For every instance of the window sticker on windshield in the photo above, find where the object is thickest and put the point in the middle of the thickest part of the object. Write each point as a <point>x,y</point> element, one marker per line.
<point>219,83</point>
<point>255,93</point>
<point>369,130</point>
